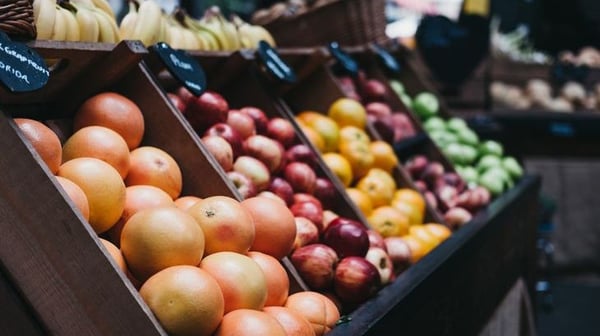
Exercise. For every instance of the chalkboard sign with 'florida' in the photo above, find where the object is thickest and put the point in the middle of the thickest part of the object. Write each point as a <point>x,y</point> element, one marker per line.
<point>21,68</point>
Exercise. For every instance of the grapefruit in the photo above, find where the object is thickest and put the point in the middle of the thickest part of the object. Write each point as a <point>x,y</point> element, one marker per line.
<point>249,322</point>
<point>294,323</point>
<point>102,186</point>
<point>278,283</point>
<point>157,238</point>
<point>318,309</point>
<point>116,254</point>
<point>115,111</point>
<point>100,143</point>
<point>153,166</point>
<point>185,299</point>
<point>44,141</point>
<point>76,195</point>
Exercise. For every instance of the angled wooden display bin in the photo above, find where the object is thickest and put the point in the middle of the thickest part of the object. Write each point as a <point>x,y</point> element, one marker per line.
<point>57,277</point>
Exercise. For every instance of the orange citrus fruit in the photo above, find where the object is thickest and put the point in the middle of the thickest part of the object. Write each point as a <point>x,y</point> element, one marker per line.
<point>420,232</point>
<point>186,202</point>
<point>115,254</point>
<point>44,141</point>
<point>361,200</point>
<point>100,143</point>
<point>294,323</point>
<point>313,137</point>
<point>278,283</point>
<point>274,226</point>
<point>326,127</point>
<point>339,166</point>
<point>76,195</point>
<point>346,111</point>
<point>442,232</point>
<point>157,238</point>
<point>153,166</point>
<point>241,280</point>
<point>114,111</point>
<point>226,224</point>
<point>185,299</point>
<point>411,196</point>
<point>138,198</point>
<point>359,156</point>
<point>352,134</point>
<point>378,185</point>
<point>318,309</point>
<point>103,187</point>
<point>413,212</point>
<point>418,248</point>
<point>249,322</point>
<point>384,156</point>
<point>388,221</point>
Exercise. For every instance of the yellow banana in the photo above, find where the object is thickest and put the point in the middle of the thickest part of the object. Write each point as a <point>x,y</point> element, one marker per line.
<point>86,3</point>
<point>72,25</point>
<point>191,42</point>
<point>229,32</point>
<point>89,30</point>
<point>104,6</point>
<point>59,32</point>
<point>209,38</point>
<point>146,28</point>
<point>107,34</point>
<point>128,22</point>
<point>45,18</point>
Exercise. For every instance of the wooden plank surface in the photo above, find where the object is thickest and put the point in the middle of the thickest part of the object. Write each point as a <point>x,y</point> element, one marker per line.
<point>16,317</point>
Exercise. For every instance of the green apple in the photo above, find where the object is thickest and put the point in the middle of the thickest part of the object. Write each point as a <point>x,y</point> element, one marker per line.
<point>443,138</point>
<point>434,123</point>
<point>467,137</point>
<point>459,153</point>
<point>397,87</point>
<point>487,162</point>
<point>493,182</point>
<point>469,174</point>
<point>512,166</point>
<point>425,105</point>
<point>457,125</point>
<point>406,100</point>
<point>491,147</point>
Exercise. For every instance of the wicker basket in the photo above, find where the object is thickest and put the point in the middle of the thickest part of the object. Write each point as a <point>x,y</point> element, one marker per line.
<point>16,18</point>
<point>349,22</point>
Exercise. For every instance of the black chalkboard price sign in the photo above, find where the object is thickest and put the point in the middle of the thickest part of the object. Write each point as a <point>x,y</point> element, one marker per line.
<point>388,61</point>
<point>274,64</point>
<point>183,67</point>
<point>345,64</point>
<point>21,68</point>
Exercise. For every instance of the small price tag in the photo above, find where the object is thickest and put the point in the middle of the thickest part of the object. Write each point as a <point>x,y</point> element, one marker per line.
<point>387,60</point>
<point>345,63</point>
<point>21,68</point>
<point>274,64</point>
<point>182,67</point>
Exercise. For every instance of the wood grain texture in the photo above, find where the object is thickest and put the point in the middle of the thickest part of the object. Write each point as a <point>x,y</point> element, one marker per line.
<point>16,316</point>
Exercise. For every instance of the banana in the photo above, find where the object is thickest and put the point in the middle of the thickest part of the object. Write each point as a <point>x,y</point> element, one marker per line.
<point>46,16</point>
<point>104,6</point>
<point>109,32</point>
<point>210,22</point>
<point>72,25</point>
<point>191,42</point>
<point>146,28</point>
<point>229,32</point>
<point>128,22</point>
<point>209,39</point>
<point>59,32</point>
<point>89,30</point>
<point>250,35</point>
<point>86,3</point>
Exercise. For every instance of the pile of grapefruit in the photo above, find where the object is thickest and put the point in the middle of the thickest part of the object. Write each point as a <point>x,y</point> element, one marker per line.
<point>205,265</point>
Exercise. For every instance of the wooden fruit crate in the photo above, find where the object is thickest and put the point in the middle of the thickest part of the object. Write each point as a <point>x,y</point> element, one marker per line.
<point>56,274</point>
<point>319,89</point>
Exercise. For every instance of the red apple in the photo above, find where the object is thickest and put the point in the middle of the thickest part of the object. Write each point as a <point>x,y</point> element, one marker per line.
<point>375,239</point>
<point>373,90</point>
<point>384,127</point>
<point>283,189</point>
<point>347,237</point>
<point>447,196</point>
<point>206,110</point>
<point>315,263</point>
<point>259,117</point>
<point>177,102</point>
<point>242,123</point>
<point>356,280</point>
<point>185,95</point>
<point>228,133</point>
<point>399,252</point>
<point>242,183</point>
<point>378,109</point>
<point>403,127</point>
<point>301,177</point>
<point>306,232</point>
<point>255,170</point>
<point>328,217</point>
<point>325,191</point>
<point>453,179</point>
<point>301,153</point>
<point>457,217</point>
<point>267,150</point>
<point>304,197</point>
<point>416,166</point>
<point>309,210</point>
<point>281,130</point>
<point>382,261</point>
<point>220,150</point>
<point>432,172</point>
<point>431,199</point>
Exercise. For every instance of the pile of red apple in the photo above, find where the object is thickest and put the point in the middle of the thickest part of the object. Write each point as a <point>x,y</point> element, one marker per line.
<point>392,126</point>
<point>446,191</point>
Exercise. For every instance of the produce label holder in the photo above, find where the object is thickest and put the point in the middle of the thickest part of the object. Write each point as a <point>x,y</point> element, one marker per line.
<point>21,69</point>
<point>181,66</point>
<point>29,254</point>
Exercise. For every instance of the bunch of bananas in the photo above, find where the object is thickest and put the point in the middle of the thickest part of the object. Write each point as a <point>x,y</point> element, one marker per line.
<point>75,20</point>
<point>212,32</point>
